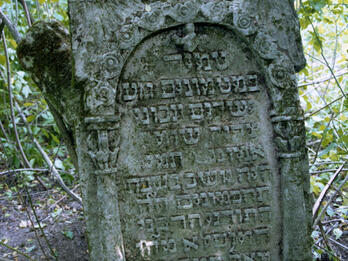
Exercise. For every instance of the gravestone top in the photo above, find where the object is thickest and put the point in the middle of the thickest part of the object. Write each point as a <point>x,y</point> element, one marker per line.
<point>191,143</point>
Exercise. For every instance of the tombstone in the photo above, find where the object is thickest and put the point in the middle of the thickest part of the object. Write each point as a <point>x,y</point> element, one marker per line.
<point>191,143</point>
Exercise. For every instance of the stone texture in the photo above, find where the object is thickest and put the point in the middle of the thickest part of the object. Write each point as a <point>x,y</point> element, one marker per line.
<point>191,138</point>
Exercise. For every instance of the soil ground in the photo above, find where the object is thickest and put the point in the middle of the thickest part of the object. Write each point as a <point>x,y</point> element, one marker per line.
<point>63,225</point>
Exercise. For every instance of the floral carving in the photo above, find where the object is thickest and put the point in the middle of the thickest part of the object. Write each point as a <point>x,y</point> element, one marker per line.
<point>184,12</point>
<point>244,23</point>
<point>152,20</point>
<point>289,135</point>
<point>215,11</point>
<point>103,149</point>
<point>266,48</point>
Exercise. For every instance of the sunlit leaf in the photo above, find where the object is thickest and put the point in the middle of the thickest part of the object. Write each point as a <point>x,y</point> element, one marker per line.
<point>338,233</point>
<point>317,135</point>
<point>2,59</point>
<point>30,118</point>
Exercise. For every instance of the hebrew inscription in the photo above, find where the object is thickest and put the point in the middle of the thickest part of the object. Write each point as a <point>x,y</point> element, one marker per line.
<point>196,175</point>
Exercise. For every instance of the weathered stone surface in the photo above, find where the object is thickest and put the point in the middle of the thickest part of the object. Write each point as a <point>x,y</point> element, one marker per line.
<point>191,140</point>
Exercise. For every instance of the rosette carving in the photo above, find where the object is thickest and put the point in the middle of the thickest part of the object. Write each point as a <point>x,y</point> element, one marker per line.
<point>100,100</point>
<point>281,76</point>
<point>215,11</point>
<point>111,65</point>
<point>152,20</point>
<point>266,48</point>
<point>128,36</point>
<point>184,12</point>
<point>244,23</point>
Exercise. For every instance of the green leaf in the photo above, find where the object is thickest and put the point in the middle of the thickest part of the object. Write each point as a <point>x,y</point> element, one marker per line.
<point>327,149</point>
<point>330,211</point>
<point>26,91</point>
<point>318,4</point>
<point>69,234</point>
<point>338,233</point>
<point>58,164</point>
<point>56,140</point>
<point>30,118</point>
<point>56,213</point>
<point>2,60</point>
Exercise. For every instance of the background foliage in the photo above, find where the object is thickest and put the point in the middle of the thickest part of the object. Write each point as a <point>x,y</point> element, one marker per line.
<point>323,89</point>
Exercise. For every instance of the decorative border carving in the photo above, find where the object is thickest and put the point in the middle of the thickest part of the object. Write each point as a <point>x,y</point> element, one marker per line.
<point>279,73</point>
<point>231,14</point>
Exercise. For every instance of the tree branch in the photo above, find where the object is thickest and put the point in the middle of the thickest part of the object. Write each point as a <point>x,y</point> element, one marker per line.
<point>24,157</point>
<point>327,78</point>
<point>27,13</point>
<point>10,26</point>
<point>319,110</point>
<point>339,244</point>
<point>14,171</point>
<point>325,190</point>
<point>16,250</point>
<point>2,26</point>
<point>322,54</point>
<point>51,166</point>
<point>329,202</point>
<point>26,162</point>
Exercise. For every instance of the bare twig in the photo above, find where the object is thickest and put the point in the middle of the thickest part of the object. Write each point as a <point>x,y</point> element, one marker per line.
<point>16,12</point>
<point>327,163</point>
<point>338,243</point>
<point>24,157</point>
<point>16,250</point>
<point>326,251</point>
<point>327,105</point>
<point>38,8</point>
<point>61,199</point>
<point>55,173</point>
<point>2,26</point>
<point>322,138</point>
<point>21,170</point>
<point>325,171</point>
<point>322,53</point>
<point>329,202</point>
<point>325,190</point>
<point>327,78</point>
<point>4,131</point>
<point>33,225</point>
<point>39,224</point>
<point>51,166</point>
<point>26,162</point>
<point>324,236</point>
<point>332,220</point>
<point>12,28</point>
<point>328,231</point>
<point>27,14</point>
